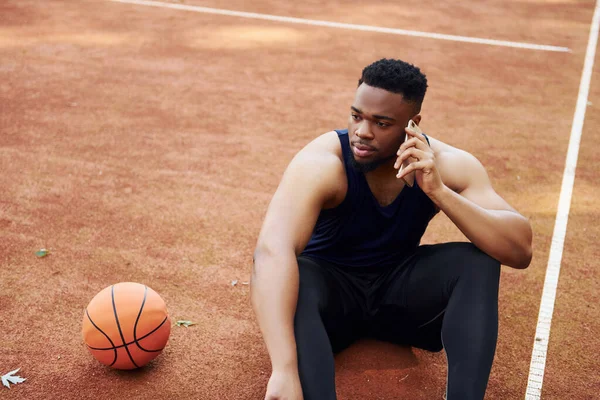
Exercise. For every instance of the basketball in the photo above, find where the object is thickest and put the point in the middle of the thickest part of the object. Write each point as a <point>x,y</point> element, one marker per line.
<point>126,325</point>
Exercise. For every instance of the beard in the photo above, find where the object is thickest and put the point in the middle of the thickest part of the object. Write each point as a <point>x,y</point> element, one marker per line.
<point>368,166</point>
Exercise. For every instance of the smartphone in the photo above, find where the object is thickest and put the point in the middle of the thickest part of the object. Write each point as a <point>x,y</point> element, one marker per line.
<point>410,178</point>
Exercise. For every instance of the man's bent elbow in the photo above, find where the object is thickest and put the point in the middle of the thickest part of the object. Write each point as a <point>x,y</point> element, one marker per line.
<point>525,258</point>
<point>528,247</point>
<point>525,253</point>
<point>523,249</point>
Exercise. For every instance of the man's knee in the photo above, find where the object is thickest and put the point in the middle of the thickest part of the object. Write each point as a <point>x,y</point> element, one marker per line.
<point>478,264</point>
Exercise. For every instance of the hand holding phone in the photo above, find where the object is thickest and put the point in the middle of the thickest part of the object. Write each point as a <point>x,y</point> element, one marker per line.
<point>410,178</point>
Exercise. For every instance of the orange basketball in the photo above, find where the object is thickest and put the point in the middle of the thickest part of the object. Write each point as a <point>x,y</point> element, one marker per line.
<point>126,325</point>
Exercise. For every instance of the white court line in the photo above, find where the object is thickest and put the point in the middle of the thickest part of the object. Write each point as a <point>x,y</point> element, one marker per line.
<point>292,20</point>
<point>542,332</point>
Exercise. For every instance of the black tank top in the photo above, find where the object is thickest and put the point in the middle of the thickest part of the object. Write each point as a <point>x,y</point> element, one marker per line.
<point>360,232</point>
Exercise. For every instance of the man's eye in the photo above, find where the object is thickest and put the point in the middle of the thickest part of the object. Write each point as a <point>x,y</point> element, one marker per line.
<point>355,117</point>
<point>382,124</point>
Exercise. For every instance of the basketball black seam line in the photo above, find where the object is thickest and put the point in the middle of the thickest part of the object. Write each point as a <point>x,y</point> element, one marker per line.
<point>138,319</point>
<point>134,341</point>
<point>101,331</point>
<point>112,292</point>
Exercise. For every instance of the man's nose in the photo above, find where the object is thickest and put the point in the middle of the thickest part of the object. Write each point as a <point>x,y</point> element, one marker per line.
<point>363,130</point>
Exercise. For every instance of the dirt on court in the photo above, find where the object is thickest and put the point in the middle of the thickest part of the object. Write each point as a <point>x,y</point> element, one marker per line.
<point>143,144</point>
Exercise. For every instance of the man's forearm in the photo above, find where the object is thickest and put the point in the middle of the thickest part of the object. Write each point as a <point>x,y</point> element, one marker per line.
<point>274,297</point>
<point>503,234</point>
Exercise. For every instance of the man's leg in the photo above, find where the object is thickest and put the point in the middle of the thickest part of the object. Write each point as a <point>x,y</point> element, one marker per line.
<point>446,295</point>
<point>324,324</point>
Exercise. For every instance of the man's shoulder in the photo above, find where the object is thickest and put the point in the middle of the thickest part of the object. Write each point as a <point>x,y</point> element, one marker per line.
<point>456,166</point>
<point>328,142</point>
<point>321,165</point>
<point>325,149</point>
<point>441,148</point>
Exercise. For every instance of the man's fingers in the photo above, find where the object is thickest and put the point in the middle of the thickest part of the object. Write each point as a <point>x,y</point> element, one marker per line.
<point>410,152</point>
<point>412,142</point>
<point>410,168</point>
<point>414,134</point>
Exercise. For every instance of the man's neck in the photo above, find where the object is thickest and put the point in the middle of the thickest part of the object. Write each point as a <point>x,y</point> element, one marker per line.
<point>384,172</point>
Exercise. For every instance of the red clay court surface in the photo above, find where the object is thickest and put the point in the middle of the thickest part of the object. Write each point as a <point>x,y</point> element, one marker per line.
<point>143,144</point>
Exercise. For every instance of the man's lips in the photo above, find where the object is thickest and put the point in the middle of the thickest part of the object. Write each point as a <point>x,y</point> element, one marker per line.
<point>361,150</point>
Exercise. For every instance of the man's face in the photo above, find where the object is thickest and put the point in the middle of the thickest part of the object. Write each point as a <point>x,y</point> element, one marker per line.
<point>376,126</point>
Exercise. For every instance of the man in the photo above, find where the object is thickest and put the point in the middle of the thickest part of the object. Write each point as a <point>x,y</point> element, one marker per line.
<point>338,256</point>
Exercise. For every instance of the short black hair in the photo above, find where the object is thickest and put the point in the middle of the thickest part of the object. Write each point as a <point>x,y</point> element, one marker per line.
<point>397,76</point>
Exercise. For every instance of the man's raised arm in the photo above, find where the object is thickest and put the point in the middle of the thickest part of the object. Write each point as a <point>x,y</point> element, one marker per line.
<point>462,189</point>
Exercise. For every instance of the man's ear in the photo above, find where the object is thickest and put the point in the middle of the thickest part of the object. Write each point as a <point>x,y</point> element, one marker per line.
<point>417,119</point>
